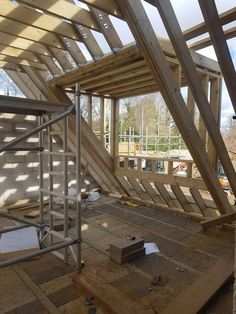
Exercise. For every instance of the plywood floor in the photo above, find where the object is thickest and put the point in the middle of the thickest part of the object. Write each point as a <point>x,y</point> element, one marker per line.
<point>186,252</point>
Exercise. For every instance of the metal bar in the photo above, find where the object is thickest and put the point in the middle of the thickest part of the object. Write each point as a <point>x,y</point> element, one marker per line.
<point>38,129</point>
<point>13,228</point>
<point>24,149</point>
<point>65,171</point>
<point>50,166</point>
<point>56,214</point>
<point>78,175</point>
<point>69,154</point>
<point>7,216</point>
<point>71,198</point>
<point>67,242</point>
<point>41,194</point>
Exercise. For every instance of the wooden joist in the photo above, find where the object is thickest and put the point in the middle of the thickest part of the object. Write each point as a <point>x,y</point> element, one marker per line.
<point>38,80</point>
<point>19,105</point>
<point>15,76</point>
<point>24,44</point>
<point>20,61</point>
<point>90,42</point>
<point>107,295</point>
<point>29,16</point>
<point>152,52</point>
<point>108,6</point>
<point>197,30</point>
<point>65,10</point>
<point>221,47</point>
<point>29,32</point>
<point>205,42</point>
<point>51,66</point>
<point>107,28</point>
<point>62,59</point>
<point>18,53</point>
<point>170,21</point>
<point>10,66</point>
<point>199,201</point>
<point>74,51</point>
<point>199,293</point>
<point>211,223</point>
<point>181,198</point>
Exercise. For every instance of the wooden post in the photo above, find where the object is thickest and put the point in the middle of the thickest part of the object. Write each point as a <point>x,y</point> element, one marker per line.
<point>215,101</point>
<point>90,110</point>
<point>191,104</point>
<point>102,120</point>
<point>114,129</point>
<point>202,127</point>
<point>152,52</point>
<point>177,75</point>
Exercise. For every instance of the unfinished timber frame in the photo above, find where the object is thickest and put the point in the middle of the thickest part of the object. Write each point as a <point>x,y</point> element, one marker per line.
<point>44,55</point>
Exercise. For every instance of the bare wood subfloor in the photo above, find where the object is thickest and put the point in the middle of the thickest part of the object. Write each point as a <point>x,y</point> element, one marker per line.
<point>186,253</point>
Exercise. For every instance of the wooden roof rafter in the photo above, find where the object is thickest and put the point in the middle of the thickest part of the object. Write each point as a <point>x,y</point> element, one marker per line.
<point>197,30</point>
<point>205,42</point>
<point>29,16</point>
<point>24,44</point>
<point>220,45</point>
<point>64,53</point>
<point>152,52</point>
<point>65,10</point>
<point>108,6</point>
<point>31,33</point>
<point>20,61</point>
<point>18,53</point>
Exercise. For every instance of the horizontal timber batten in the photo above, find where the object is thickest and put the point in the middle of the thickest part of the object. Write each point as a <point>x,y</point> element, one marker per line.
<point>127,65</point>
<point>163,178</point>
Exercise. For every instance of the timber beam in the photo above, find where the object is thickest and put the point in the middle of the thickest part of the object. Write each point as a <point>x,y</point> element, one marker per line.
<point>153,54</point>
<point>28,106</point>
<point>215,29</point>
<point>199,92</point>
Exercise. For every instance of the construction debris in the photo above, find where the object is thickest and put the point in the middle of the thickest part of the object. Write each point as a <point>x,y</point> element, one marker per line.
<point>34,213</point>
<point>151,248</point>
<point>18,242</point>
<point>125,250</point>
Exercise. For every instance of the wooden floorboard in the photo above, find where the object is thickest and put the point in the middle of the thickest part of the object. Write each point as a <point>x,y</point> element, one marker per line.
<point>186,254</point>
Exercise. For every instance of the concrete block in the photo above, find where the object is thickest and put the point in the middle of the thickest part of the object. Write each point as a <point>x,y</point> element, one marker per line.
<point>120,259</point>
<point>126,246</point>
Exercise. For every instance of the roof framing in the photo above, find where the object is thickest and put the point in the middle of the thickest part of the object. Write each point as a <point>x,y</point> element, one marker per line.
<point>65,10</point>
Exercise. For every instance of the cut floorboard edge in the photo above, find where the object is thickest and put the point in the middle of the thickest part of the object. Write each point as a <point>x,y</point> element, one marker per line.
<point>198,295</point>
<point>109,297</point>
<point>177,211</point>
<point>218,221</point>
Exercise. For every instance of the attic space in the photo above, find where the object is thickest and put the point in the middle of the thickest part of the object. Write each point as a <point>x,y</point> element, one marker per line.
<point>117,156</point>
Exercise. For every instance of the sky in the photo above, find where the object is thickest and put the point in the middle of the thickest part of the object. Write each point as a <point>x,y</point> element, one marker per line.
<point>189,14</point>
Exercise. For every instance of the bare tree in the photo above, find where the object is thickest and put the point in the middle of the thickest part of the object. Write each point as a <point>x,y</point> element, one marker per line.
<point>7,86</point>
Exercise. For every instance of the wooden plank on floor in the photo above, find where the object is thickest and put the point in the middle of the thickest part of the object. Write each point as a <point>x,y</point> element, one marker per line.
<point>218,221</point>
<point>111,298</point>
<point>36,290</point>
<point>197,295</point>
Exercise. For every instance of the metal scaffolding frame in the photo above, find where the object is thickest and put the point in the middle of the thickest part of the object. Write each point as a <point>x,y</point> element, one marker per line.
<point>67,241</point>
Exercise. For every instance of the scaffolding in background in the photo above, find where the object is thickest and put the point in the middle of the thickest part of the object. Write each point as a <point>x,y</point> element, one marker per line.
<point>67,241</point>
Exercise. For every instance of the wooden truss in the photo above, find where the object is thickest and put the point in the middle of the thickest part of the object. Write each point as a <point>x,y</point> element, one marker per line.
<point>44,54</point>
